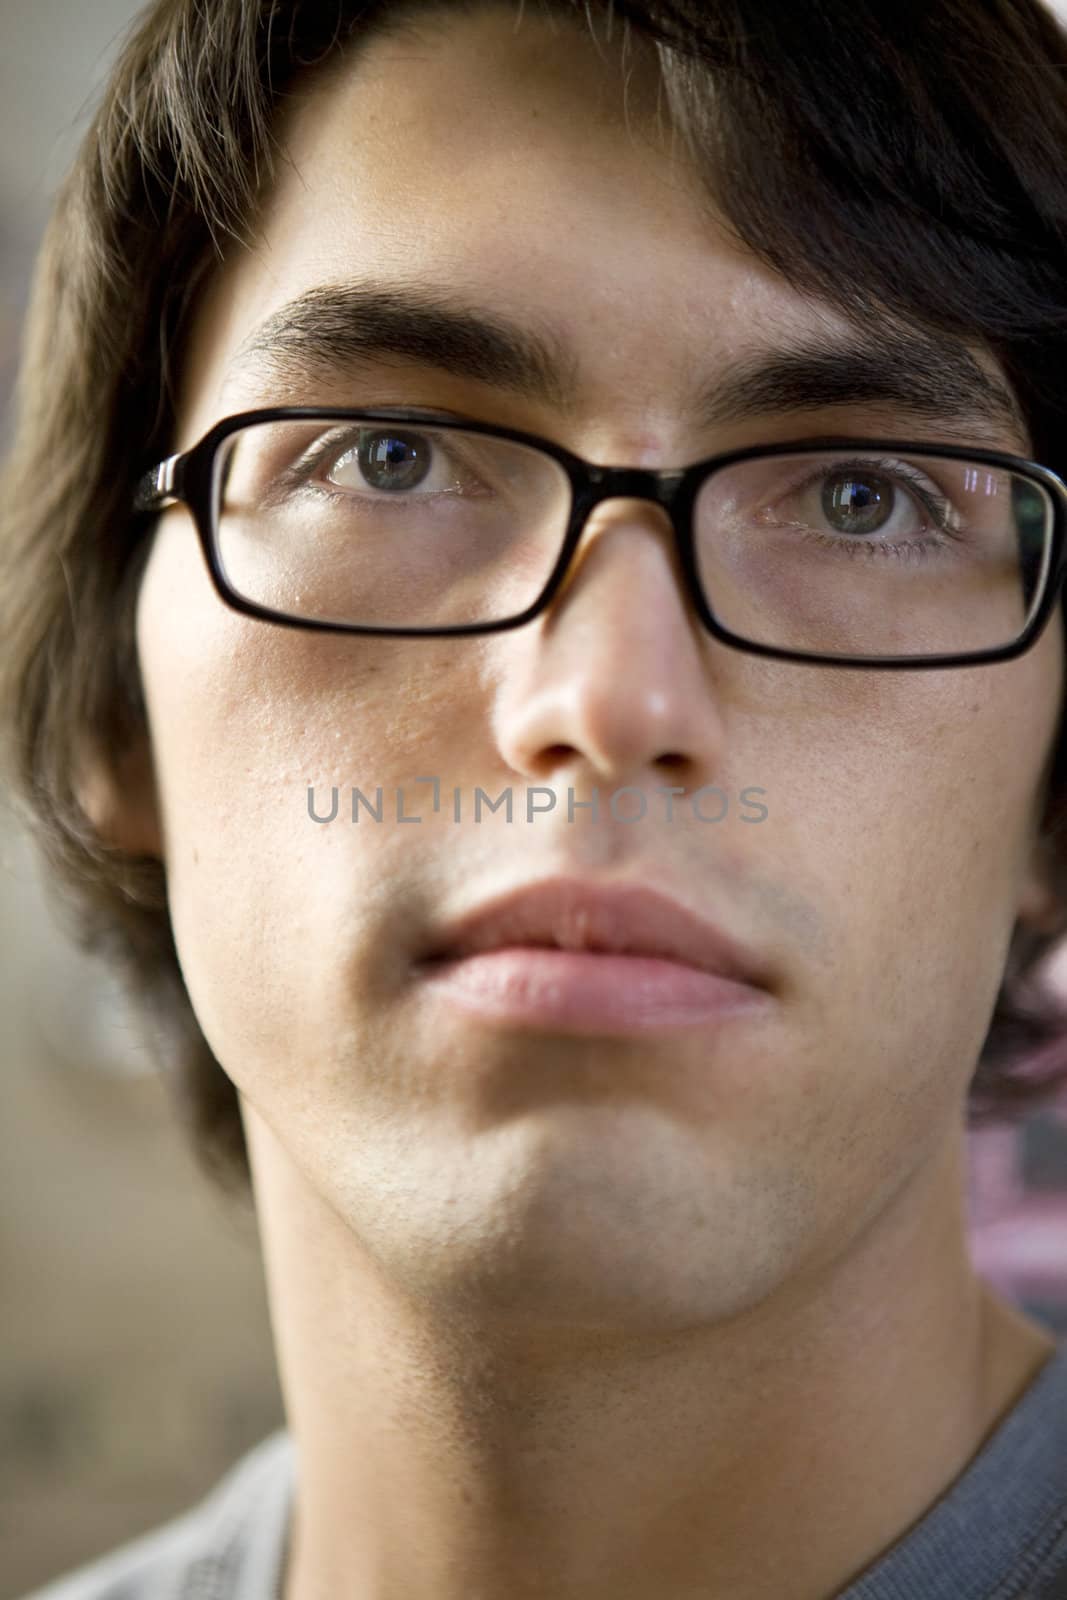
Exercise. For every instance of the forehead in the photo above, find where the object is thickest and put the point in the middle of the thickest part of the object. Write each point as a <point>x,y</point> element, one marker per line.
<point>526,168</point>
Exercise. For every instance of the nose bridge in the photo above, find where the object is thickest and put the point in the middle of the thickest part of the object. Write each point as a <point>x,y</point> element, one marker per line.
<point>619,685</point>
<point>659,488</point>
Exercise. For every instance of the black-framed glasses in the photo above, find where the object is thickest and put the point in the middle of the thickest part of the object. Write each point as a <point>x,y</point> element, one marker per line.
<point>836,551</point>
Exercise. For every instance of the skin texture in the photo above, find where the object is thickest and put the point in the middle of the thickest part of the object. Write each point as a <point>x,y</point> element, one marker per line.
<point>690,1315</point>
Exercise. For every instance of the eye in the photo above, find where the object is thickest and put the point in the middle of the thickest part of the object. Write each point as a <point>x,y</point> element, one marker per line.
<point>857,501</point>
<point>387,461</point>
<point>860,502</point>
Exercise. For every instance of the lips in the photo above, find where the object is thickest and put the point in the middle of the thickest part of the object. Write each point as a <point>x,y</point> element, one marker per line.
<point>620,919</point>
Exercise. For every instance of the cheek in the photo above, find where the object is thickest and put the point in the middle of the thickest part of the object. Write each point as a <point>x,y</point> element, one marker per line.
<point>903,820</point>
<point>245,718</point>
<point>919,820</point>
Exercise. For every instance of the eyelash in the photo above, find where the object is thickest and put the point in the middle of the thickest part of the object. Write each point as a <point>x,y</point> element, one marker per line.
<point>330,449</point>
<point>938,506</point>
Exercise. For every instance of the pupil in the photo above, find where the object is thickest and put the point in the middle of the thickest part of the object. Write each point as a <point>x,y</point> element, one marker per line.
<point>389,461</point>
<point>857,505</point>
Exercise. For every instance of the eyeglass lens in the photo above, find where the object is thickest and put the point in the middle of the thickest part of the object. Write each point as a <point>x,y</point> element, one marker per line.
<point>831,552</point>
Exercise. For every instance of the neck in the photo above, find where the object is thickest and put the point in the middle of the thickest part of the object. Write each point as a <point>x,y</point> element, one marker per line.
<point>448,1451</point>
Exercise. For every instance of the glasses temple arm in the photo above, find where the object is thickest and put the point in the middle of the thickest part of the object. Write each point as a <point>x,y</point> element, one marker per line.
<point>160,487</point>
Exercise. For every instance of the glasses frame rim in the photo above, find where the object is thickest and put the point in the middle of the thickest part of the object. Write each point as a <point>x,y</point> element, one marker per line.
<point>188,478</point>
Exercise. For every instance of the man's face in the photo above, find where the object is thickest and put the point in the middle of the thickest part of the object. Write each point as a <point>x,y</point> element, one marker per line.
<point>654,1181</point>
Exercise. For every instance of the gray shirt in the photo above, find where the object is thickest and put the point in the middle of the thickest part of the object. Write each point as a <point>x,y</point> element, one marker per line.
<point>999,1532</point>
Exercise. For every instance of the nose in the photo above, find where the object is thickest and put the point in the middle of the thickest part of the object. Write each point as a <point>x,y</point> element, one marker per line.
<point>612,681</point>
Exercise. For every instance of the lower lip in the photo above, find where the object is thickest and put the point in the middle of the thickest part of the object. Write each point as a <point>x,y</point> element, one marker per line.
<point>584,992</point>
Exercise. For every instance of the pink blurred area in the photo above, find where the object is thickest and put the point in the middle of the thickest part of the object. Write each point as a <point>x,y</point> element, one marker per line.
<point>1019,1222</point>
<point>1017,1199</point>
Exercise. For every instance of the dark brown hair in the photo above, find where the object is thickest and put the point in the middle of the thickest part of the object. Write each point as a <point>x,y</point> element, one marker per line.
<point>900,156</point>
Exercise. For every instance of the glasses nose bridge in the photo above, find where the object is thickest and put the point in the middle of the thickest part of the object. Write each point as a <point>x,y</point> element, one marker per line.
<point>664,488</point>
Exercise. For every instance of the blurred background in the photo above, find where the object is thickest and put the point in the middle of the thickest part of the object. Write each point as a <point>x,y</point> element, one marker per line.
<point>135,1354</point>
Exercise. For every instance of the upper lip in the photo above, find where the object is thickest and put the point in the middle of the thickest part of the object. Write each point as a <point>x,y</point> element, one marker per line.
<point>630,919</point>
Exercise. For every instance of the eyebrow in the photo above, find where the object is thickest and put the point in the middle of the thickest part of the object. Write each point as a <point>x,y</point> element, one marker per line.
<point>335,329</point>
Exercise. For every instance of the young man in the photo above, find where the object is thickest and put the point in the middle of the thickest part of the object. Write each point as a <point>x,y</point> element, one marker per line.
<point>633,1267</point>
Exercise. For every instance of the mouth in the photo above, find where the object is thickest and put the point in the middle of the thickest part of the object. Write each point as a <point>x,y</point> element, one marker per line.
<point>593,958</point>
<point>605,919</point>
